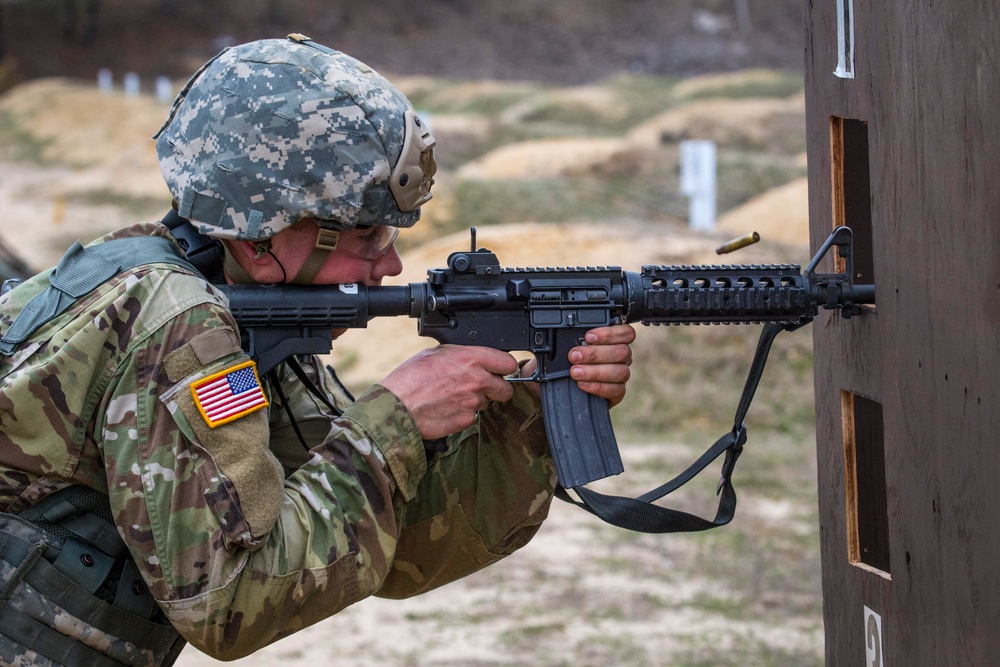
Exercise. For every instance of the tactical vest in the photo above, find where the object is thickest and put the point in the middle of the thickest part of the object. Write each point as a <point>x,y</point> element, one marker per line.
<point>70,593</point>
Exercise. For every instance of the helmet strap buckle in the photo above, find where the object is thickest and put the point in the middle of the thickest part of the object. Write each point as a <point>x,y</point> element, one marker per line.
<point>327,239</point>
<point>326,242</point>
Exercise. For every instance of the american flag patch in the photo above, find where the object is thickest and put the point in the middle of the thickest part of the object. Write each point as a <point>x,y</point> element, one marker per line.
<point>229,395</point>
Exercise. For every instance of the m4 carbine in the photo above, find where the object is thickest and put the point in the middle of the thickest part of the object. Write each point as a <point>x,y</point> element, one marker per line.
<point>547,311</point>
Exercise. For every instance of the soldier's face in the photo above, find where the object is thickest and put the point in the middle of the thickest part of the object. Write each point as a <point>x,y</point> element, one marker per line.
<point>344,267</point>
<point>293,246</point>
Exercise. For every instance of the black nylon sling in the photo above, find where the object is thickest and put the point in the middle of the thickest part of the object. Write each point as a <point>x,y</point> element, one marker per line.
<point>641,515</point>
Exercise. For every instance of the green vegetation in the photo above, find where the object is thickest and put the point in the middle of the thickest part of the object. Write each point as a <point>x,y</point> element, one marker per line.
<point>491,202</point>
<point>743,175</point>
<point>687,379</point>
<point>19,144</point>
<point>771,83</point>
<point>642,185</point>
<point>456,97</point>
<point>525,635</point>
<point>628,101</point>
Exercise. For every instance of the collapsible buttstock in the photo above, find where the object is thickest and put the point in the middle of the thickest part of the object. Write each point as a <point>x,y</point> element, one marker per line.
<point>580,434</point>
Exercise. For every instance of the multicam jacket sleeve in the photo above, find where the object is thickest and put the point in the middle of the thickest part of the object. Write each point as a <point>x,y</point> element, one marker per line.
<point>238,549</point>
<point>482,498</point>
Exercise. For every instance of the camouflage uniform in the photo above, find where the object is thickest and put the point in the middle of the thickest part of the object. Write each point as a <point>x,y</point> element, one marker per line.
<point>242,537</point>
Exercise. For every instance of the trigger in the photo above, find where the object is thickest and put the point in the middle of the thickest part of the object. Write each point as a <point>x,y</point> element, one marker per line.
<point>517,376</point>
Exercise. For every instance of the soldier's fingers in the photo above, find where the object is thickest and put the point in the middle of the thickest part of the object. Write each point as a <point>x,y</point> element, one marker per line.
<point>498,389</point>
<point>496,362</point>
<point>601,373</point>
<point>619,353</point>
<point>617,333</point>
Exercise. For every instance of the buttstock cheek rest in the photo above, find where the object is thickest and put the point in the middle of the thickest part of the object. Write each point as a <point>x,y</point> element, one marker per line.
<point>581,438</point>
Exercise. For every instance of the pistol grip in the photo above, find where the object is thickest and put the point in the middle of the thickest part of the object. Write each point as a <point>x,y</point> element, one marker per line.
<point>581,438</point>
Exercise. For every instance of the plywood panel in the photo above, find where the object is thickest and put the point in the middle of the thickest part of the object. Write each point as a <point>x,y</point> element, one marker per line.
<point>927,84</point>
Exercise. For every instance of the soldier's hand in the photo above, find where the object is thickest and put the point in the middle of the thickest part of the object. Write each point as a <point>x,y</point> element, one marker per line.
<point>445,386</point>
<point>601,367</point>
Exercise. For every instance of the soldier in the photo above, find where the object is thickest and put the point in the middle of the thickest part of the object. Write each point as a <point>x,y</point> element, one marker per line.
<point>145,504</point>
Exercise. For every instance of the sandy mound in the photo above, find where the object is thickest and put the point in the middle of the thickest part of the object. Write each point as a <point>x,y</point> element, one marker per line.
<point>106,161</point>
<point>545,158</point>
<point>109,146</point>
<point>38,221</point>
<point>780,214</point>
<point>80,124</point>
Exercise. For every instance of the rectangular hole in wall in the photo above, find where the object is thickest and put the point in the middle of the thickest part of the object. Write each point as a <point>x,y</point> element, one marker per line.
<point>864,482</point>
<point>852,198</point>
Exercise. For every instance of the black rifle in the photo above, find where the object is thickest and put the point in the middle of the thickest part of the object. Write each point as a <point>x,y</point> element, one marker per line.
<point>547,311</point>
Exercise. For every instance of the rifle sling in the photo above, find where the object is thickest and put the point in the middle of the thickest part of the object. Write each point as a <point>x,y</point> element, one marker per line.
<point>310,386</point>
<point>641,515</point>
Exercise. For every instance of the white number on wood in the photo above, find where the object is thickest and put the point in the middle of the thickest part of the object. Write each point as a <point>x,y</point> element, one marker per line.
<point>873,639</point>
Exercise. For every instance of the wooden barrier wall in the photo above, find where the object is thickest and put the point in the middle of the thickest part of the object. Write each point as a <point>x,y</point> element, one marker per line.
<point>907,152</point>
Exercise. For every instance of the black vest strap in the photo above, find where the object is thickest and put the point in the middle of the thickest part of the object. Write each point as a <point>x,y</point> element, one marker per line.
<point>80,271</point>
<point>205,253</point>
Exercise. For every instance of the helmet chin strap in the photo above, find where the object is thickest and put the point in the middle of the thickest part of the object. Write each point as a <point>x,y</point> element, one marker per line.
<point>314,262</point>
<point>326,242</point>
<point>235,271</point>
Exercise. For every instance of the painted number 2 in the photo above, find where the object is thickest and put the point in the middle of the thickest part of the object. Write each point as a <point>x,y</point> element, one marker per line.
<point>873,639</point>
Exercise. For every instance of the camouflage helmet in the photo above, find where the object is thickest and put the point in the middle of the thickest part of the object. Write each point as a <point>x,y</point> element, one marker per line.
<point>274,131</point>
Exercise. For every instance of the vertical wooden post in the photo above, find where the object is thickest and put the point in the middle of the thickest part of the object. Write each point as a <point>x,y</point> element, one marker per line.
<point>906,151</point>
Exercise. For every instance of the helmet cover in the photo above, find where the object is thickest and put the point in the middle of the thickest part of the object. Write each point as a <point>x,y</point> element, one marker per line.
<point>275,131</point>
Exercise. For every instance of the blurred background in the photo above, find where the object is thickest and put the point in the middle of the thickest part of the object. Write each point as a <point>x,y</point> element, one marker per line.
<point>561,129</point>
